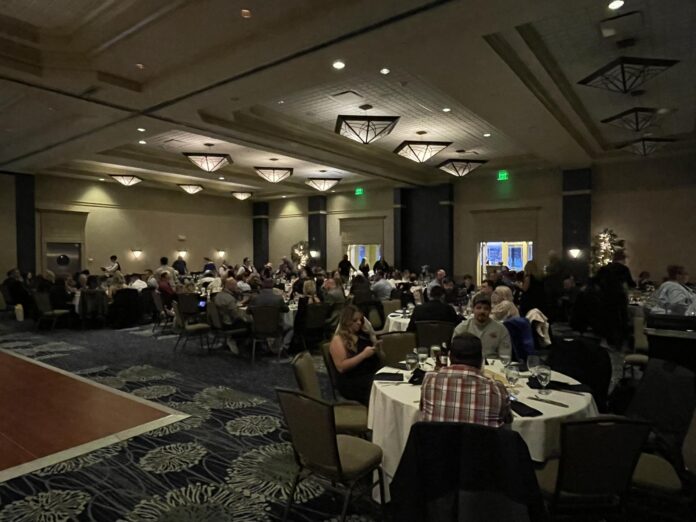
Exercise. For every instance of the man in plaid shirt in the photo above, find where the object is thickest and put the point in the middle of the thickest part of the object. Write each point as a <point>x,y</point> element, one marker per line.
<point>460,392</point>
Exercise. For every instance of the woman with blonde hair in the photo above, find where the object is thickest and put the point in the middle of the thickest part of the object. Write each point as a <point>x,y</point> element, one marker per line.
<point>309,291</point>
<point>354,352</point>
<point>532,289</point>
<point>503,306</point>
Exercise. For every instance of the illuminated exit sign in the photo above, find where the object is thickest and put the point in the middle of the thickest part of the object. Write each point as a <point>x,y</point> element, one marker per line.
<point>503,175</point>
<point>359,191</point>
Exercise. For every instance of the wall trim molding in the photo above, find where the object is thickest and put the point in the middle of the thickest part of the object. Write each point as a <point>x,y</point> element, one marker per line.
<point>317,212</point>
<point>260,216</point>
<point>507,209</point>
<point>576,192</point>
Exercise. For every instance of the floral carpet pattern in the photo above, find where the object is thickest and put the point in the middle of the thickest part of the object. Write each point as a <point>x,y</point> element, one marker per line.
<point>230,460</point>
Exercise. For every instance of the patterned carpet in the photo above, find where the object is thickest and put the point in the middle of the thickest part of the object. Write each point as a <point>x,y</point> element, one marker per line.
<point>231,460</point>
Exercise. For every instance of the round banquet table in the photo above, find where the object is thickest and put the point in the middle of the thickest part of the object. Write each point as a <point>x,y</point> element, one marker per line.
<point>394,409</point>
<point>396,323</point>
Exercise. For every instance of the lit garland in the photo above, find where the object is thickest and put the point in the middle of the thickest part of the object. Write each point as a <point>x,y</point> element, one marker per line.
<point>604,246</point>
<point>299,253</point>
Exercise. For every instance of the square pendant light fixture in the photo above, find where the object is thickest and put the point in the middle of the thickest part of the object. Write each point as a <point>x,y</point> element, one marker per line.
<point>322,184</point>
<point>626,74</point>
<point>646,146</point>
<point>191,189</point>
<point>635,119</point>
<point>421,151</point>
<point>207,161</point>
<point>241,196</point>
<point>365,129</point>
<point>460,167</point>
<point>126,180</point>
<point>273,174</point>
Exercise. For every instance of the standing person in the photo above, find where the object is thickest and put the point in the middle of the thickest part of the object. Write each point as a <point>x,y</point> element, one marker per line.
<point>614,280</point>
<point>381,265</point>
<point>532,289</point>
<point>354,353</point>
<point>495,338</point>
<point>461,393</point>
<point>180,266</point>
<point>344,268</point>
<point>164,267</point>
<point>209,265</point>
<point>113,267</point>
<point>364,267</point>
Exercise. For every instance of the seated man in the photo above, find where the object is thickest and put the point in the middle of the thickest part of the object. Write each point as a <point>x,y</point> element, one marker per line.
<point>460,392</point>
<point>166,290</point>
<point>381,287</point>
<point>231,316</point>
<point>268,297</point>
<point>434,310</point>
<point>494,336</point>
<point>335,297</point>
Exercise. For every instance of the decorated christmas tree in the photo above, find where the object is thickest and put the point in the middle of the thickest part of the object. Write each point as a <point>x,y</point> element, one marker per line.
<point>604,245</point>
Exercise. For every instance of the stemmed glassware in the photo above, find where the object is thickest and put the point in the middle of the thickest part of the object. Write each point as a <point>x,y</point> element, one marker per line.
<point>512,374</point>
<point>411,361</point>
<point>423,354</point>
<point>533,361</point>
<point>505,359</point>
<point>543,375</point>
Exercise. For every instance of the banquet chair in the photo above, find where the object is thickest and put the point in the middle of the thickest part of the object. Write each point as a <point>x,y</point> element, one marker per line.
<point>94,306</point>
<point>350,416</point>
<point>188,330</point>
<point>391,306</point>
<point>593,473</point>
<point>188,305</point>
<point>431,333</point>
<point>46,312</point>
<point>124,311</point>
<point>312,322</point>
<point>341,459</point>
<point>163,318</point>
<point>218,329</point>
<point>265,326</point>
<point>331,370</point>
<point>396,345</point>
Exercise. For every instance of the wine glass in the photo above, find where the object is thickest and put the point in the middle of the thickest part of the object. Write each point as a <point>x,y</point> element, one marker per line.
<point>505,359</point>
<point>411,361</point>
<point>512,374</point>
<point>533,361</point>
<point>543,375</point>
<point>423,354</point>
<point>435,352</point>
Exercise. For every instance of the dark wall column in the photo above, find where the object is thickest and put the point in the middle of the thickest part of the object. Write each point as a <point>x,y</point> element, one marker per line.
<point>577,219</point>
<point>316,227</point>
<point>428,228</point>
<point>398,228</point>
<point>25,214</point>
<point>260,217</point>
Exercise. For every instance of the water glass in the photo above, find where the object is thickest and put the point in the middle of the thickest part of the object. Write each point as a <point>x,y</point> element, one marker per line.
<point>423,354</point>
<point>411,361</point>
<point>505,359</point>
<point>512,374</point>
<point>435,352</point>
<point>543,375</point>
<point>533,361</point>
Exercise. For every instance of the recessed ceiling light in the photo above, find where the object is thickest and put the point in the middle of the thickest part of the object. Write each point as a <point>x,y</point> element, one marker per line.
<point>615,4</point>
<point>446,109</point>
<point>283,197</point>
<point>142,142</point>
<point>140,129</point>
<point>222,178</point>
<point>246,13</point>
<point>384,71</point>
<point>140,66</point>
<point>333,191</point>
<point>486,134</point>
<point>338,64</point>
<point>102,179</point>
<point>281,102</point>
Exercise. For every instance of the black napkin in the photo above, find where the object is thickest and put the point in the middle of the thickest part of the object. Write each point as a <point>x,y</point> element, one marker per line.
<point>417,377</point>
<point>533,383</point>
<point>398,366</point>
<point>523,410</point>
<point>388,376</point>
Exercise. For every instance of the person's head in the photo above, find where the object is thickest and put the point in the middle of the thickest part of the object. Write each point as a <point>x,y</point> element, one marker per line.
<point>246,261</point>
<point>436,293</point>
<point>92,282</point>
<point>164,261</point>
<point>467,279</point>
<point>448,284</point>
<point>330,284</point>
<point>267,284</point>
<point>500,294</point>
<point>345,257</point>
<point>180,258</point>
<point>309,288</point>
<point>147,274</point>
<point>482,307</point>
<point>113,259</point>
<point>14,273</point>
<point>644,275</point>
<point>351,320</point>
<point>677,273</point>
<point>164,276</point>
<point>487,286</point>
<point>441,274</point>
<point>82,280</point>
<point>118,279</point>
<point>466,349</point>
<point>378,275</point>
<point>619,257</point>
<point>48,275</point>
<point>554,258</point>
<point>364,261</point>
<point>230,285</point>
<point>532,269</point>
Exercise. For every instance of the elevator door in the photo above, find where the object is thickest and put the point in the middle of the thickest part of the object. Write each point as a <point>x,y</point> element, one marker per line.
<point>63,258</point>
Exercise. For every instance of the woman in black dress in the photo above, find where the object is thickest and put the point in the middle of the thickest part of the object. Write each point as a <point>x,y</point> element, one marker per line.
<point>354,353</point>
<point>533,295</point>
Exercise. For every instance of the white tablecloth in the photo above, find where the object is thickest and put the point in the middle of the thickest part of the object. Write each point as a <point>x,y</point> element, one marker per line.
<point>394,409</point>
<point>396,323</point>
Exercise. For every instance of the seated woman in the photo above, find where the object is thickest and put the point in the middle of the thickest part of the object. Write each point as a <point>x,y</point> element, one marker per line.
<point>503,306</point>
<point>355,356</point>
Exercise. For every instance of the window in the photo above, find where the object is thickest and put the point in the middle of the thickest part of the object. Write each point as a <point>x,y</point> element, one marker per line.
<point>493,255</point>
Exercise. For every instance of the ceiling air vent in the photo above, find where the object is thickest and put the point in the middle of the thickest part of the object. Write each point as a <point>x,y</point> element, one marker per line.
<point>351,97</point>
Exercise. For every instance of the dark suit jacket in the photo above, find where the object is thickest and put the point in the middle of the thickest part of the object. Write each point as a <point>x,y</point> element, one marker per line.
<point>267,297</point>
<point>433,311</point>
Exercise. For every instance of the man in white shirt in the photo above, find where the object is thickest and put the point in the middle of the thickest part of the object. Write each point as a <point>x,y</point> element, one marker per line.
<point>495,338</point>
<point>137,283</point>
<point>673,296</point>
<point>381,287</point>
<point>113,267</point>
<point>164,267</point>
<point>438,281</point>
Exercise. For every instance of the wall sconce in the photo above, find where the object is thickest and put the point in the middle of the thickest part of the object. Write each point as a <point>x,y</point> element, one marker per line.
<point>575,252</point>
<point>182,253</point>
<point>221,253</point>
<point>137,253</point>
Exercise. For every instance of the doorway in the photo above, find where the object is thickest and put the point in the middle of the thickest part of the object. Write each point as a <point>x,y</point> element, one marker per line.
<point>63,258</point>
<point>493,255</point>
<point>371,252</point>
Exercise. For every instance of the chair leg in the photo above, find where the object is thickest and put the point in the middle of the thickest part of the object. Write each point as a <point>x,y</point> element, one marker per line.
<point>382,501</point>
<point>253,350</point>
<point>295,483</point>
<point>53,323</point>
<point>177,342</point>
<point>344,511</point>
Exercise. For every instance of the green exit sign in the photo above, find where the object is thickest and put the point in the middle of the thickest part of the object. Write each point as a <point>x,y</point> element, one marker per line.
<point>503,175</point>
<point>359,191</point>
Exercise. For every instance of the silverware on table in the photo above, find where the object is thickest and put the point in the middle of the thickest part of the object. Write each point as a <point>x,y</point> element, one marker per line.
<point>548,401</point>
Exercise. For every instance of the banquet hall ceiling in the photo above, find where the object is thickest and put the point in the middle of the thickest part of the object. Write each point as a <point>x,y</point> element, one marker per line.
<point>79,77</point>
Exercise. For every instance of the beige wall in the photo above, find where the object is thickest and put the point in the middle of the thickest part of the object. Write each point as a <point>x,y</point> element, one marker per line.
<point>526,207</point>
<point>120,219</point>
<point>652,205</point>
<point>8,225</point>
<point>287,225</point>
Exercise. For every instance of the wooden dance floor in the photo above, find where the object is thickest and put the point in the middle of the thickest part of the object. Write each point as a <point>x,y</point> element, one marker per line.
<point>48,415</point>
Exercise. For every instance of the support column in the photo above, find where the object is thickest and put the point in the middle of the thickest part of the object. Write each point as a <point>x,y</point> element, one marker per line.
<point>428,228</point>
<point>577,219</point>
<point>398,228</point>
<point>316,227</point>
<point>260,218</point>
<point>25,215</point>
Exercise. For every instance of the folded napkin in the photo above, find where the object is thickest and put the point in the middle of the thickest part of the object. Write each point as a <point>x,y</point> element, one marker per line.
<point>389,376</point>
<point>523,410</point>
<point>399,366</point>
<point>417,377</point>
<point>558,385</point>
